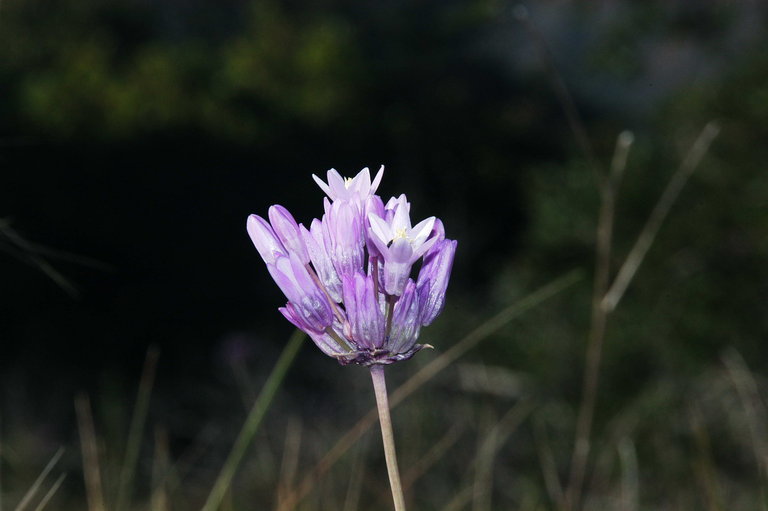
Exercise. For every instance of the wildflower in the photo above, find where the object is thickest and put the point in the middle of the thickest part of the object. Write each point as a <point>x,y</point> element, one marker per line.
<point>348,277</point>
<point>348,281</point>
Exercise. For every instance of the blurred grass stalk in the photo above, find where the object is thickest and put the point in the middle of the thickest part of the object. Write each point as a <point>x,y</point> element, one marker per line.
<point>253,421</point>
<point>135,431</point>
<point>756,414</point>
<point>88,443</point>
<point>607,294</point>
<point>30,494</point>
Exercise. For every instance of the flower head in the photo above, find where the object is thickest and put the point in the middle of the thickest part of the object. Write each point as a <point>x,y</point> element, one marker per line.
<point>348,277</point>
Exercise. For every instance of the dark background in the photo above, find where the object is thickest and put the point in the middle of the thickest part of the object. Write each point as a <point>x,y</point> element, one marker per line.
<point>136,137</point>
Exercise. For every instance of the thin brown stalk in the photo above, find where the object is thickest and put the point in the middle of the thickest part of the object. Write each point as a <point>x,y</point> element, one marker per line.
<point>756,414</point>
<point>598,322</point>
<point>89,445</point>
<point>561,92</point>
<point>659,213</point>
<point>425,374</point>
<point>460,500</point>
<point>290,461</point>
<point>160,468</point>
<point>32,491</point>
<point>630,481</point>
<point>491,442</point>
<point>355,486</point>
<point>548,465</point>
<point>704,467</point>
<point>435,453</point>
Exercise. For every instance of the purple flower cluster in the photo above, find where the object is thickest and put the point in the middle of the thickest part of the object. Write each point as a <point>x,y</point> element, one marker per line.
<point>348,277</point>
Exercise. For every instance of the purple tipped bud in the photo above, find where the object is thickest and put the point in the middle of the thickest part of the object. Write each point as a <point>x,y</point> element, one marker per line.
<point>433,279</point>
<point>364,314</point>
<point>405,322</point>
<point>309,302</point>
<point>286,229</point>
<point>264,239</point>
<point>345,239</point>
<point>315,243</point>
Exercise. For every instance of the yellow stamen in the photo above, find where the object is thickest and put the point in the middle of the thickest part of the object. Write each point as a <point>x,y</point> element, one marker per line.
<point>401,233</point>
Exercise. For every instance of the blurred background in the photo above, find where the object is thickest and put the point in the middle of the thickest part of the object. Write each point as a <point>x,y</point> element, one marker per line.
<point>136,137</point>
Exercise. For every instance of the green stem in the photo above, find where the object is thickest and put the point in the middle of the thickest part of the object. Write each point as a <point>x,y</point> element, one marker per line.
<point>252,422</point>
<point>382,403</point>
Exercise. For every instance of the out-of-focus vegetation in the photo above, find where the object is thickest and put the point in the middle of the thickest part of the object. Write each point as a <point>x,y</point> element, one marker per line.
<point>141,134</point>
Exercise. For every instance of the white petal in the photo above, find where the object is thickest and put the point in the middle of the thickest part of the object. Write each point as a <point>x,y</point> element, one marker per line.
<point>377,180</point>
<point>361,183</point>
<point>420,232</point>
<point>324,187</point>
<point>336,183</point>
<point>380,228</point>
<point>402,219</point>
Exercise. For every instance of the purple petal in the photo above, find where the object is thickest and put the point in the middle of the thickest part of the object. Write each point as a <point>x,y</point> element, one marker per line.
<point>264,239</point>
<point>308,300</point>
<point>433,280</point>
<point>363,312</point>
<point>313,240</point>
<point>345,236</point>
<point>286,229</point>
<point>395,277</point>
<point>405,322</point>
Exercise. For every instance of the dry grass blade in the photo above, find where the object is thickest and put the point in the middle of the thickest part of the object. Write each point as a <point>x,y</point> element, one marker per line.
<point>355,487</point>
<point>606,297</point>
<point>704,467</point>
<point>136,429</point>
<point>630,481</point>
<point>498,434</point>
<point>460,500</point>
<point>756,413</point>
<point>548,465</point>
<point>39,481</point>
<point>290,462</point>
<point>657,216</point>
<point>160,469</point>
<point>253,421</point>
<point>427,373</point>
<point>434,455</point>
<point>91,468</point>
<point>598,321</point>
<point>50,493</point>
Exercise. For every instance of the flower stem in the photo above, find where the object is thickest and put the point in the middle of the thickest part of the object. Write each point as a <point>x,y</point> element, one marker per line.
<point>382,403</point>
